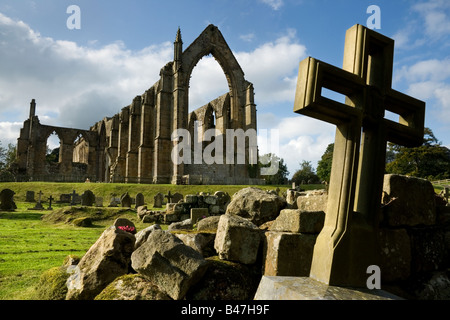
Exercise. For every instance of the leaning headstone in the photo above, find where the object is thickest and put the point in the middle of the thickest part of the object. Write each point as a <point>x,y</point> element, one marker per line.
<point>30,196</point>
<point>88,198</point>
<point>158,200</point>
<point>176,197</point>
<point>125,200</point>
<point>125,225</point>
<point>139,200</point>
<point>7,200</point>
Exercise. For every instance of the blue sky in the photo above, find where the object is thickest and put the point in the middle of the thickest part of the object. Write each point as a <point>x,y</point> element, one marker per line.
<point>80,76</point>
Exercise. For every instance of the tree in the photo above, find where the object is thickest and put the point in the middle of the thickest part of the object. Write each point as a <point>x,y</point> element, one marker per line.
<point>2,157</point>
<point>306,174</point>
<point>431,160</point>
<point>281,177</point>
<point>324,164</point>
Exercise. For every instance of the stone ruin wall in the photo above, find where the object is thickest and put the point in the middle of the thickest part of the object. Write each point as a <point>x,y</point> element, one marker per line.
<point>134,146</point>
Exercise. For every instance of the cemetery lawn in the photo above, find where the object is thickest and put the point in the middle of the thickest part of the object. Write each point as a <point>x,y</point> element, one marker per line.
<point>30,245</point>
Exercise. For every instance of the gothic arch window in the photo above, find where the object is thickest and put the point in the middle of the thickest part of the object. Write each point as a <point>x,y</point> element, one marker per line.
<point>53,145</point>
<point>81,149</point>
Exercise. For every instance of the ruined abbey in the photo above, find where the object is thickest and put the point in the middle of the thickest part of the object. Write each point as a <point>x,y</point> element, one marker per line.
<point>136,145</point>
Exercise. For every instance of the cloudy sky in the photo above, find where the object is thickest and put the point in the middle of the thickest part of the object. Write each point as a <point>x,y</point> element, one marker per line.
<point>79,76</point>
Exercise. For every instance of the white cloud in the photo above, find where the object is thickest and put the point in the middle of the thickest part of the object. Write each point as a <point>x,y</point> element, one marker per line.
<point>74,86</point>
<point>436,17</point>
<point>274,4</point>
<point>273,68</point>
<point>300,138</point>
<point>249,37</point>
<point>428,80</point>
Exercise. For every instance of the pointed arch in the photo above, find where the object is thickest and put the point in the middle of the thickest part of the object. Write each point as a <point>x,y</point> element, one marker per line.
<point>211,41</point>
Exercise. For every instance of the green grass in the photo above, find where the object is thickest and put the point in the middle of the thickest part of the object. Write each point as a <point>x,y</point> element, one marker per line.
<point>30,245</point>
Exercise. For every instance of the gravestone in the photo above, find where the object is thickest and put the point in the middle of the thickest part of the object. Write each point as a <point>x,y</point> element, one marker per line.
<point>114,201</point>
<point>125,200</point>
<point>38,205</point>
<point>99,201</point>
<point>139,200</point>
<point>348,244</point>
<point>7,200</point>
<point>30,196</point>
<point>169,197</point>
<point>50,200</point>
<point>64,198</point>
<point>158,200</point>
<point>88,198</point>
<point>75,198</point>
<point>176,197</point>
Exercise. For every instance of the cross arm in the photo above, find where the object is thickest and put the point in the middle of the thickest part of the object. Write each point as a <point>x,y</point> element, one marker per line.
<point>410,128</point>
<point>314,75</point>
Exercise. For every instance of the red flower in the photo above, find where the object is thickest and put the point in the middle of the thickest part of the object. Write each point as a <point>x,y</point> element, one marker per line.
<point>129,229</point>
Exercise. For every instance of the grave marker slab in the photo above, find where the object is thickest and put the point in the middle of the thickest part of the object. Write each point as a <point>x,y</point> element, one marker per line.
<point>7,200</point>
<point>158,200</point>
<point>139,200</point>
<point>30,196</point>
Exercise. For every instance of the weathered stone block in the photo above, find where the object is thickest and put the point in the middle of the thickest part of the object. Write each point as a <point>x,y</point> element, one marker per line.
<point>299,221</point>
<point>288,254</point>
<point>211,200</point>
<point>107,259</point>
<point>256,205</point>
<point>208,224</point>
<point>191,198</point>
<point>237,239</point>
<point>395,256</point>
<point>412,201</point>
<point>200,242</point>
<point>313,201</point>
<point>143,235</point>
<point>169,263</point>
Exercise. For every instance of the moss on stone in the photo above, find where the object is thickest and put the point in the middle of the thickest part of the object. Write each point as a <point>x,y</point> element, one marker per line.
<point>82,222</point>
<point>52,284</point>
<point>131,287</point>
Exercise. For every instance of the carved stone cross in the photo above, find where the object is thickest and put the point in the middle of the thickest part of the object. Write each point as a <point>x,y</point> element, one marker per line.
<point>348,243</point>
<point>169,197</point>
<point>50,199</point>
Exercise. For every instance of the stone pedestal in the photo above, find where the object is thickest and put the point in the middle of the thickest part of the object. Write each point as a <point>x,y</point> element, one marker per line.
<point>305,288</point>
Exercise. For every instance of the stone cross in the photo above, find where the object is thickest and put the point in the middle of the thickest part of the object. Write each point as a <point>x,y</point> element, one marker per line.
<point>74,194</point>
<point>50,199</point>
<point>348,244</point>
<point>40,195</point>
<point>169,197</point>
